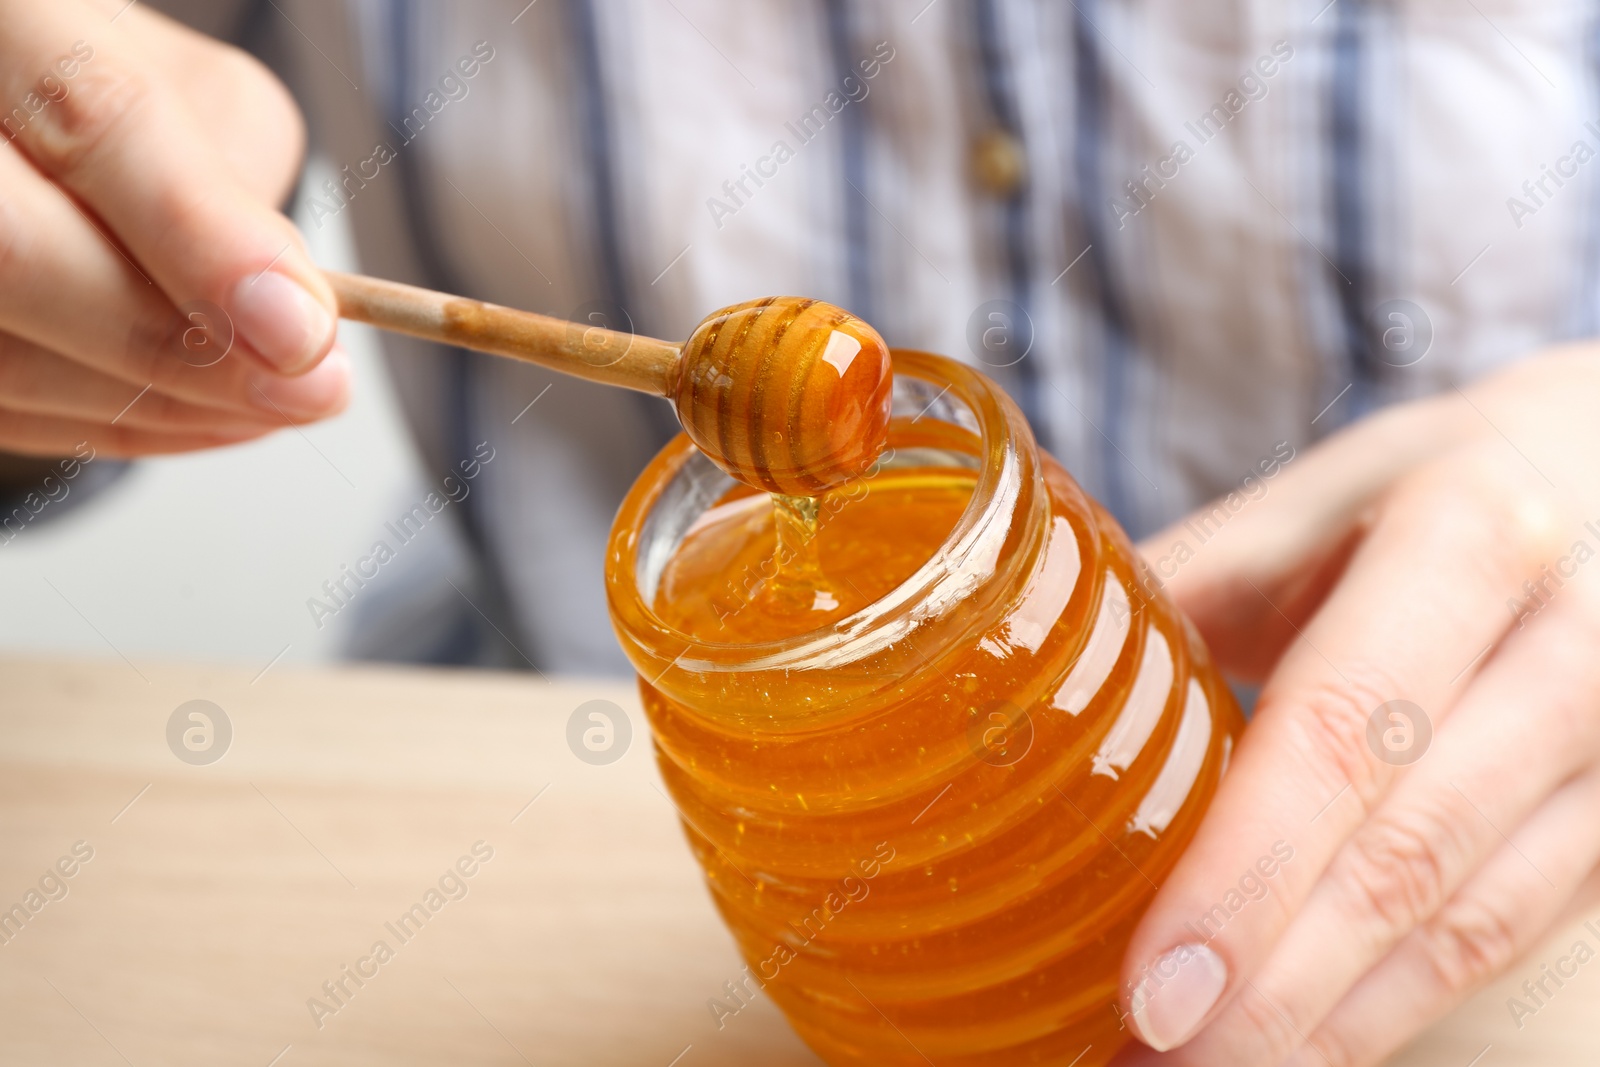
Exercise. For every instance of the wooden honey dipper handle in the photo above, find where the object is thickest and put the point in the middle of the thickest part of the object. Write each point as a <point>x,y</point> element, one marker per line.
<point>786,394</point>
<point>585,351</point>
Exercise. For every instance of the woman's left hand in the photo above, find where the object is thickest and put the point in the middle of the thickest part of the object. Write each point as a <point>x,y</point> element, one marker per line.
<point>1421,595</point>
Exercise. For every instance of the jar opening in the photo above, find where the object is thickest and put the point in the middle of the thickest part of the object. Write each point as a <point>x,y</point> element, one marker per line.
<point>945,415</point>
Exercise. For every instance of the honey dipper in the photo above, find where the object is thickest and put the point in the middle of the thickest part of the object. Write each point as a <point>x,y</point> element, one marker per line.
<point>786,394</point>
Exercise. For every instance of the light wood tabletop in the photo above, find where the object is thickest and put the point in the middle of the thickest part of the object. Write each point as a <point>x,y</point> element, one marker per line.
<point>538,908</point>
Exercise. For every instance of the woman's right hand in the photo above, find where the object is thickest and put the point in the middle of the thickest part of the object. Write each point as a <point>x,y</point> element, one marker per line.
<point>152,297</point>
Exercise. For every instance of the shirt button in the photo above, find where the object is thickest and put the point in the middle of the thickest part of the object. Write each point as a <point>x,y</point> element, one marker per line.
<point>998,163</point>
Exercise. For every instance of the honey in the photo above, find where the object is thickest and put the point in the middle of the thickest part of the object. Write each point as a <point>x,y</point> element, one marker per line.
<point>933,740</point>
<point>808,576</point>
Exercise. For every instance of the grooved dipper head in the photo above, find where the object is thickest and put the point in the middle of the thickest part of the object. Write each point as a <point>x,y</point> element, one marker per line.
<point>786,394</point>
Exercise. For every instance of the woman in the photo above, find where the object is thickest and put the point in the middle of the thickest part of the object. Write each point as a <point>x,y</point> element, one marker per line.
<point>1334,265</point>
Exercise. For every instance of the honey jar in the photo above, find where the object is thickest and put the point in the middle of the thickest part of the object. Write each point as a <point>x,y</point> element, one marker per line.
<point>935,743</point>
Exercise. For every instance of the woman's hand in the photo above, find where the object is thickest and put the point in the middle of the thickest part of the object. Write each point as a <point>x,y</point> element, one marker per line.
<point>152,298</point>
<point>1422,594</point>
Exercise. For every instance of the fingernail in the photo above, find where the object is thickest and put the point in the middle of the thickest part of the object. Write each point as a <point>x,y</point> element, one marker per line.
<point>280,320</point>
<point>323,390</point>
<point>1178,990</point>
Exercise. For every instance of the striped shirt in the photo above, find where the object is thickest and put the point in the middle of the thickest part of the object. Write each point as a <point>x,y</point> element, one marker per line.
<point>1182,233</point>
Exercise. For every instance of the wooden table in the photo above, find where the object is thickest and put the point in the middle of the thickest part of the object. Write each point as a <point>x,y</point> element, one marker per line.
<point>221,897</point>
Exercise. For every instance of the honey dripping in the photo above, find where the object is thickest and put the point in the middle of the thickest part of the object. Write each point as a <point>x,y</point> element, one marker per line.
<point>761,567</point>
<point>798,584</point>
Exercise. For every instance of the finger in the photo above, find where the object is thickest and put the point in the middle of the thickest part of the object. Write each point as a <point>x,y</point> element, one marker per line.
<point>35,380</point>
<point>1394,629</point>
<point>27,434</point>
<point>123,143</point>
<point>1437,827</point>
<point>53,265</point>
<point>226,87</point>
<point>1497,916</point>
<point>1502,913</point>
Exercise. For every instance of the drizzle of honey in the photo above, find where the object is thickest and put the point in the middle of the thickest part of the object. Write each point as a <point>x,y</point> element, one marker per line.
<point>816,561</point>
<point>948,879</point>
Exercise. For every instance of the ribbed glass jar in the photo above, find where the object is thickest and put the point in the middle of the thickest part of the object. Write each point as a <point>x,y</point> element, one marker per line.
<point>932,825</point>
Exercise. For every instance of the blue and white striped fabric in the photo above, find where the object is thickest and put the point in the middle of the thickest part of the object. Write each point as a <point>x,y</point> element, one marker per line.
<point>1234,223</point>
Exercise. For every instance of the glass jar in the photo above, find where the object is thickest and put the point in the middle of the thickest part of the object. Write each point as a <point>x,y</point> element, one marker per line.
<point>932,825</point>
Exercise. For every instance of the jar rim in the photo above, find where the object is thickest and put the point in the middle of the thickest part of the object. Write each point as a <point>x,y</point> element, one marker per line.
<point>979,531</point>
